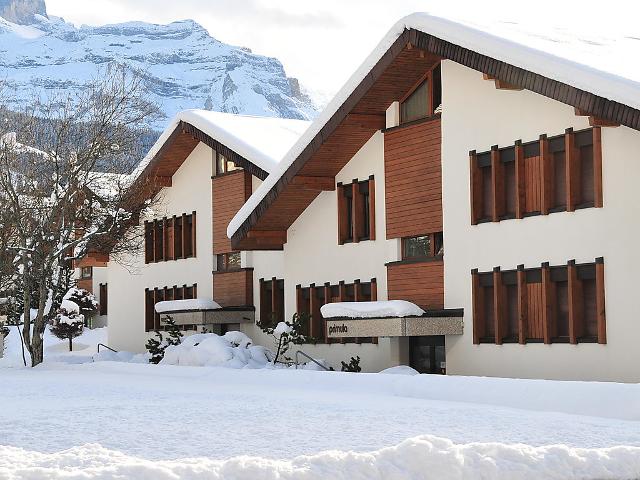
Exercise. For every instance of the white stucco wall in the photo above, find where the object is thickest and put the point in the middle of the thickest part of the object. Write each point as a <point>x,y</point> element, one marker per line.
<point>190,191</point>
<point>476,115</point>
<point>312,255</point>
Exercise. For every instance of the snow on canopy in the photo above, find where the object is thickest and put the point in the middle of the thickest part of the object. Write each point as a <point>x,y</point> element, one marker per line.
<point>193,304</point>
<point>261,140</point>
<point>378,309</point>
<point>602,66</point>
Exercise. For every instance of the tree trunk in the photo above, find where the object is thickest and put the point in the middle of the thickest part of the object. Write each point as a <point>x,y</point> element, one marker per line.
<point>26,321</point>
<point>70,343</point>
<point>37,350</point>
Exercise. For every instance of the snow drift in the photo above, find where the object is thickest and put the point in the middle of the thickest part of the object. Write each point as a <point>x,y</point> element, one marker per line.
<point>379,309</point>
<point>410,459</point>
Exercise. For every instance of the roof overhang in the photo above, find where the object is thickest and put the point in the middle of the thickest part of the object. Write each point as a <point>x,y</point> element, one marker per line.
<point>403,63</point>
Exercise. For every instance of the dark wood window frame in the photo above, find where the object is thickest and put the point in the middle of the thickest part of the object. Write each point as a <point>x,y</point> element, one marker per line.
<point>433,82</point>
<point>435,247</point>
<point>356,211</point>
<point>170,238</point>
<point>226,262</point>
<point>548,175</point>
<point>310,299</point>
<point>585,313</point>
<point>222,165</point>
<point>86,273</point>
<point>271,302</point>
<point>104,298</point>
<point>159,294</point>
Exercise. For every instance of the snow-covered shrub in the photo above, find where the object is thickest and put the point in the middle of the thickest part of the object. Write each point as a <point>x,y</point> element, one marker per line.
<point>86,301</point>
<point>157,346</point>
<point>232,350</point>
<point>353,365</point>
<point>286,334</point>
<point>68,322</point>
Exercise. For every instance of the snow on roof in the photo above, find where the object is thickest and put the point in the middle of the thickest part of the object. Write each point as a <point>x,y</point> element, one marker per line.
<point>379,309</point>
<point>601,66</point>
<point>261,140</point>
<point>194,304</point>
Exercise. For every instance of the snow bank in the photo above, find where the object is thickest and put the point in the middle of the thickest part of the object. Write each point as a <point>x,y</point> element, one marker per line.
<point>413,458</point>
<point>381,309</point>
<point>85,347</point>
<point>232,350</point>
<point>195,304</point>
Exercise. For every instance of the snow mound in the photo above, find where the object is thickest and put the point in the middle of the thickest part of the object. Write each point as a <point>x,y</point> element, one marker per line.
<point>232,350</point>
<point>192,304</point>
<point>401,370</point>
<point>410,459</point>
<point>381,309</point>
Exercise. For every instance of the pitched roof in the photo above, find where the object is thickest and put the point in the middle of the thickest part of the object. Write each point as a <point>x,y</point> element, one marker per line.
<point>587,72</point>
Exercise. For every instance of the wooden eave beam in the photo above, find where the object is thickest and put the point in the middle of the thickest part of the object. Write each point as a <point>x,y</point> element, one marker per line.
<point>323,184</point>
<point>595,121</point>
<point>366,120</point>
<point>501,84</point>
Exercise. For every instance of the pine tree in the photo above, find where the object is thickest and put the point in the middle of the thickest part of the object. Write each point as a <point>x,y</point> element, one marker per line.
<point>157,346</point>
<point>68,324</point>
<point>352,366</point>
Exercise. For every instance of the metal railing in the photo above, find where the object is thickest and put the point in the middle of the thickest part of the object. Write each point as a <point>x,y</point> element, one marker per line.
<point>107,347</point>
<point>300,352</point>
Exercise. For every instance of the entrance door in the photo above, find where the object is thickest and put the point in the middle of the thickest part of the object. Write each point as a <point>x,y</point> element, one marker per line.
<point>427,354</point>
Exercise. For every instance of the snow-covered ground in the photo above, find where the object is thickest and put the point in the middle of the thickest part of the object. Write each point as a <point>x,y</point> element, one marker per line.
<point>122,420</point>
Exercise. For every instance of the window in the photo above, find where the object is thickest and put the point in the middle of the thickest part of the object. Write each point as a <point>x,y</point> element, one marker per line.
<point>103,298</point>
<point>222,164</point>
<point>550,304</point>
<point>271,302</point>
<point>310,299</point>
<point>228,261</point>
<point>561,173</point>
<point>170,238</point>
<point>155,295</point>
<point>356,211</point>
<point>424,99</point>
<point>423,246</point>
<point>86,273</point>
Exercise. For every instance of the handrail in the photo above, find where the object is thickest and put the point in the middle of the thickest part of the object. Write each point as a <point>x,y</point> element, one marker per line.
<point>107,347</point>
<point>300,352</point>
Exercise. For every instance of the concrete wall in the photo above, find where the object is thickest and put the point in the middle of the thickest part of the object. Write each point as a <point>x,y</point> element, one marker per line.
<point>190,190</point>
<point>476,115</point>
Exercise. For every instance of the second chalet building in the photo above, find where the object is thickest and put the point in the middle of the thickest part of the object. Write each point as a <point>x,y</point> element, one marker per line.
<point>487,178</point>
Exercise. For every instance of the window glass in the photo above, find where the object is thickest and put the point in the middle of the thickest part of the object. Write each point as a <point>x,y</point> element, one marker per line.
<point>416,247</point>
<point>86,272</point>
<point>416,105</point>
<point>233,260</point>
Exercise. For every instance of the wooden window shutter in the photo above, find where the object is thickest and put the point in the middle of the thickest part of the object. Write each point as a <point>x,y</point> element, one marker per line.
<point>522,305</point>
<point>372,208</point>
<point>356,209</point>
<point>546,162</point>
<point>193,234</point>
<point>476,188</point>
<point>497,184</point>
<point>597,167</point>
<point>600,304</point>
<point>572,165</point>
<point>548,305</point>
<point>343,227</point>
<point>478,308</point>
<point>520,177</point>
<point>103,298</point>
<point>498,306</point>
<point>575,294</point>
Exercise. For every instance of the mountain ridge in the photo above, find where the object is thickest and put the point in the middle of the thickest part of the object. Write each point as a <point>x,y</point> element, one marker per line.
<point>185,67</point>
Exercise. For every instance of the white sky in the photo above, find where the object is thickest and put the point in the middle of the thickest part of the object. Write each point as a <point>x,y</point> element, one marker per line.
<point>322,42</point>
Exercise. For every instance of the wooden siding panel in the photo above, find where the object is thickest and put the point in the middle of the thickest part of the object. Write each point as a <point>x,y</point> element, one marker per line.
<point>413,179</point>
<point>229,192</point>
<point>535,311</point>
<point>421,283</point>
<point>533,184</point>
<point>233,288</point>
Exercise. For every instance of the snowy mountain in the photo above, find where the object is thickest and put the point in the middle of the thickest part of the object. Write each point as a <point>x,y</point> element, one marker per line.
<point>184,65</point>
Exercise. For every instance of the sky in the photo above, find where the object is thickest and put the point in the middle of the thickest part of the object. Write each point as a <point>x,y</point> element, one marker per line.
<point>323,42</point>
